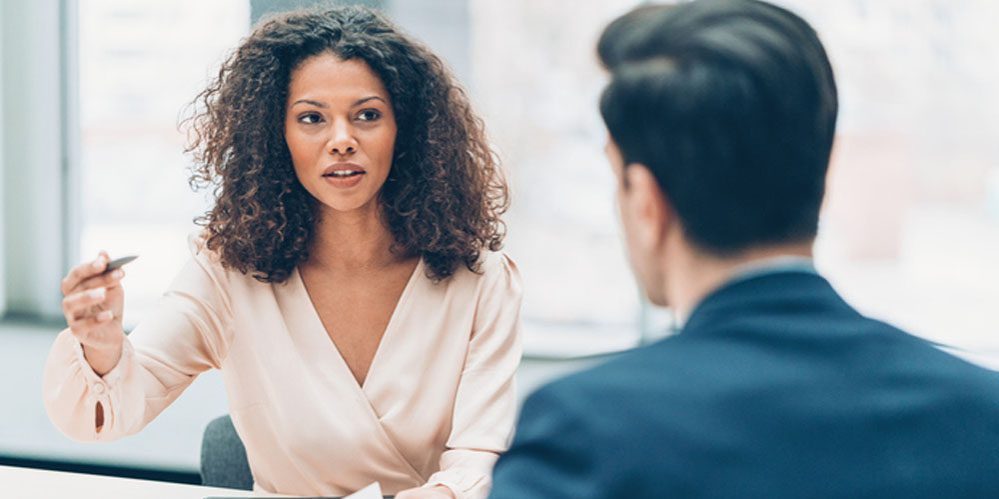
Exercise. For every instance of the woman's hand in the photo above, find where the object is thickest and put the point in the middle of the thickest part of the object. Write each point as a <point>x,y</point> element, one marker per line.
<point>93,306</point>
<point>438,492</point>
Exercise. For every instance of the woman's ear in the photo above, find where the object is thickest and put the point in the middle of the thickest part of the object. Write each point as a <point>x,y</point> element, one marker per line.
<point>650,212</point>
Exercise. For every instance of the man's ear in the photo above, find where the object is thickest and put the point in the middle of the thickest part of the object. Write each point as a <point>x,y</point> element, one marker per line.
<point>648,207</point>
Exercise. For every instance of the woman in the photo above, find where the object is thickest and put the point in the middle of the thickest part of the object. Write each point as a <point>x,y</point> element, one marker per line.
<point>346,281</point>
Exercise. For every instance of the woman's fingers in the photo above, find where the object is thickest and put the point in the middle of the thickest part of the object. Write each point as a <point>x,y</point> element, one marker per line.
<point>77,305</point>
<point>88,330</point>
<point>102,280</point>
<point>86,291</point>
<point>82,272</point>
<point>86,324</point>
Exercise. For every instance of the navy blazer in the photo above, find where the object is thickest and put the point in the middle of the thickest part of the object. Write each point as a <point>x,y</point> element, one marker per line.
<point>774,388</point>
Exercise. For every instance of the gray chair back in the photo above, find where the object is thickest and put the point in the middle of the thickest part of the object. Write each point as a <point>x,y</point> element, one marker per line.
<point>223,457</point>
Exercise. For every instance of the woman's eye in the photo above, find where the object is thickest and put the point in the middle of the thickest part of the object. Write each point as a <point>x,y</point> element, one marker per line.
<point>369,115</point>
<point>310,119</point>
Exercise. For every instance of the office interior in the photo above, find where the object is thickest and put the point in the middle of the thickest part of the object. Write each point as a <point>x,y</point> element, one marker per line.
<point>92,159</point>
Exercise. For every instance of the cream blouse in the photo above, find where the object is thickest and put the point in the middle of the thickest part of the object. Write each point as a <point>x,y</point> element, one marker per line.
<point>437,406</point>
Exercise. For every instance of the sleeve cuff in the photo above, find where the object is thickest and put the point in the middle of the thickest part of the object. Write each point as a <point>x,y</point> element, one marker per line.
<point>460,481</point>
<point>452,487</point>
<point>100,387</point>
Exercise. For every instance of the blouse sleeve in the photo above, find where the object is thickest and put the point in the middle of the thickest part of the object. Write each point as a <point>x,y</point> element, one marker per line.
<point>186,335</point>
<point>486,404</point>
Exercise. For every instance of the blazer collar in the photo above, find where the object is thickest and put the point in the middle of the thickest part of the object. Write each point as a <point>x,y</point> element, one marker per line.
<point>754,269</point>
<point>786,289</point>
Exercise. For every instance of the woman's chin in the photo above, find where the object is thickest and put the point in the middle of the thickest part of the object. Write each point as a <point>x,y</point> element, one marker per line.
<point>346,204</point>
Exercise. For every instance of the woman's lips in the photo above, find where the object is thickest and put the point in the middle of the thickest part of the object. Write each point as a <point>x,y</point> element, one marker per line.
<point>343,175</point>
<point>344,182</point>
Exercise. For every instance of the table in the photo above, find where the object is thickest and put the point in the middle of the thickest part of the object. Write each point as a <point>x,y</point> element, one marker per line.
<point>26,483</point>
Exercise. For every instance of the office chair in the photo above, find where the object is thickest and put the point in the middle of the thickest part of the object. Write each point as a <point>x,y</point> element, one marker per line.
<point>223,457</point>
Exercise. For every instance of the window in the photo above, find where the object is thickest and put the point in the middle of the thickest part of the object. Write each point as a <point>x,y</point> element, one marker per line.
<point>141,63</point>
<point>909,231</point>
<point>536,81</point>
<point>910,228</point>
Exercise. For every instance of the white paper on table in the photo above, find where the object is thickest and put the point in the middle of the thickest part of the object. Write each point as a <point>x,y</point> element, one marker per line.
<point>373,491</point>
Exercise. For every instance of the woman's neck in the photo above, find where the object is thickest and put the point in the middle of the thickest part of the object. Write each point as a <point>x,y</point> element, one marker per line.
<point>354,240</point>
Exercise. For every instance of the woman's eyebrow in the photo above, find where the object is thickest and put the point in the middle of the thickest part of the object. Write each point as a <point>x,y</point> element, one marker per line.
<point>310,102</point>
<point>366,99</point>
<point>324,106</point>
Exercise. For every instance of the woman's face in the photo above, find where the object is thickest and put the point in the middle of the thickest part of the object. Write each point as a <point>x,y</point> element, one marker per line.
<point>340,130</point>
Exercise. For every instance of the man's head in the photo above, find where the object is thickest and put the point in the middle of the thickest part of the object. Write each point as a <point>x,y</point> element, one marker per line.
<point>721,116</point>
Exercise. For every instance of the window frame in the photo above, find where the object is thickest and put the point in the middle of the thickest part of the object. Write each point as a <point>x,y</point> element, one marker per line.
<point>40,220</point>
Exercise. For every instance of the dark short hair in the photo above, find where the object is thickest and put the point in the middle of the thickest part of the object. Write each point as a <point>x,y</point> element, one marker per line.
<point>444,195</point>
<point>732,106</point>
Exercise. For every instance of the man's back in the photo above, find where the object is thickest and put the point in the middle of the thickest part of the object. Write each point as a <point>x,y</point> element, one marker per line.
<point>775,388</point>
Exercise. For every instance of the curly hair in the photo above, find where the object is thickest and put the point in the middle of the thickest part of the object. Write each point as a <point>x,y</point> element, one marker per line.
<point>445,192</point>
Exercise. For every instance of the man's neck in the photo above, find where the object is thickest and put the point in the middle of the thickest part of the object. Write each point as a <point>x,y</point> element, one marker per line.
<point>694,275</point>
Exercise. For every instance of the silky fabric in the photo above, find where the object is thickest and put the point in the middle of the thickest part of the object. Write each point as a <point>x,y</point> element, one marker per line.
<point>437,406</point>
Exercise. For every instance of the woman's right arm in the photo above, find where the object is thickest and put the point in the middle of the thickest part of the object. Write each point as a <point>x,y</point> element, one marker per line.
<point>100,384</point>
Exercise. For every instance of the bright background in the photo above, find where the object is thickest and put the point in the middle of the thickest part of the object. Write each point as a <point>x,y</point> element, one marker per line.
<point>909,232</point>
<point>910,229</point>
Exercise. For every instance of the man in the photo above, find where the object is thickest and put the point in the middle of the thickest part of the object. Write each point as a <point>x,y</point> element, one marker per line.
<point>721,115</point>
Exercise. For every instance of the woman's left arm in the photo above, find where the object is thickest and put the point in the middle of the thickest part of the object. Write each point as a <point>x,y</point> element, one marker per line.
<point>485,406</point>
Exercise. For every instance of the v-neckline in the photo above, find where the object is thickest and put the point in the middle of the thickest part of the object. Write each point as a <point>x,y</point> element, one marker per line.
<point>317,323</point>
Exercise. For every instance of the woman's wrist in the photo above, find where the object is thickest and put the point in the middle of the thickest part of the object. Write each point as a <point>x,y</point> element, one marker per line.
<point>102,360</point>
<point>444,490</point>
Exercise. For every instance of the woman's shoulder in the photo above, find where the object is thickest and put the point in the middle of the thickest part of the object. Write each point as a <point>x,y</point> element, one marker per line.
<point>497,262</point>
<point>495,271</point>
<point>211,263</point>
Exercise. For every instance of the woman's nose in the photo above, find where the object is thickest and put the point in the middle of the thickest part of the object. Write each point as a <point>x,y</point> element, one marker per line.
<point>342,141</point>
